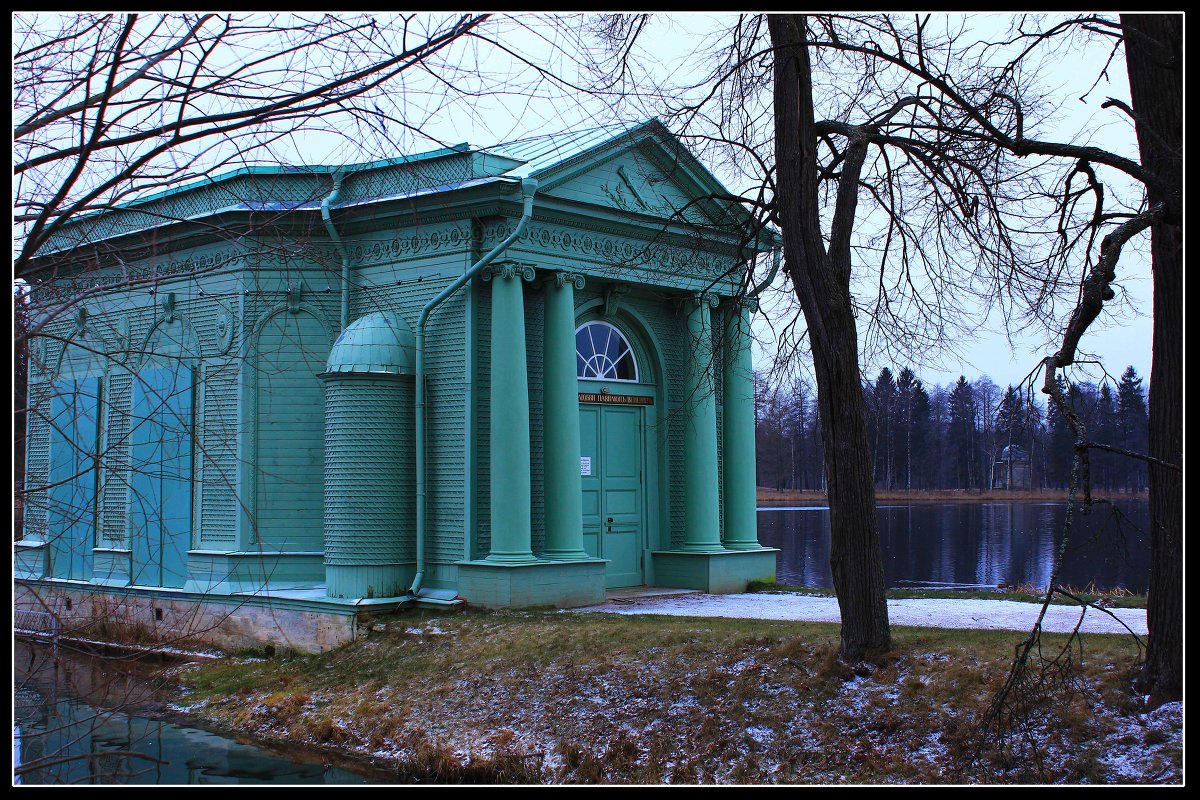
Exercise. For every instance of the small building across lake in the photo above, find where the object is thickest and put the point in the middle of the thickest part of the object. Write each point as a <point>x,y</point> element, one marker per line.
<point>1012,469</point>
<point>516,376</point>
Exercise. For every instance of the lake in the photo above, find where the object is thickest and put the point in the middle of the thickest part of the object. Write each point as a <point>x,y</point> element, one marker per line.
<point>76,720</point>
<point>974,544</point>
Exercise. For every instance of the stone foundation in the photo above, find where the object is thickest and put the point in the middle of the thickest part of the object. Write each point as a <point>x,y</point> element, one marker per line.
<point>185,619</point>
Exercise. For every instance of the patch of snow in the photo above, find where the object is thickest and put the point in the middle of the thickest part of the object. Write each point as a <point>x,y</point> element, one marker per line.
<point>1139,748</point>
<point>760,734</point>
<point>930,613</point>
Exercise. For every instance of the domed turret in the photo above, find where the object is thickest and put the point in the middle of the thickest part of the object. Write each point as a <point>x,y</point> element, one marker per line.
<point>379,343</point>
<point>370,492</point>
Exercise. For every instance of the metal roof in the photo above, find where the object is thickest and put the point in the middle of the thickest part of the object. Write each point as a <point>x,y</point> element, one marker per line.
<point>547,150</point>
<point>380,343</point>
<point>432,172</point>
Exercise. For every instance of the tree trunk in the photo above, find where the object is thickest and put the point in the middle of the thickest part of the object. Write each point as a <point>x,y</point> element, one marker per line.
<point>1154,57</point>
<point>822,282</point>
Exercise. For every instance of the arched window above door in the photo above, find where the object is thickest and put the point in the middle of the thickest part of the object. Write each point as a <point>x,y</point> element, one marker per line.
<point>603,353</point>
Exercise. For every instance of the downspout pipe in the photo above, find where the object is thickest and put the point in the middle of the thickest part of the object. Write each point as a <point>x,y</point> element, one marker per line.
<point>775,262</point>
<point>529,186</point>
<point>341,246</point>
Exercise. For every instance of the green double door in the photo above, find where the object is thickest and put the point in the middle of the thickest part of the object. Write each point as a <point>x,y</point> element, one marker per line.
<point>612,471</point>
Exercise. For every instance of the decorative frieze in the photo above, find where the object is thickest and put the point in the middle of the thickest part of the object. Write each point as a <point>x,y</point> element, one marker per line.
<point>61,289</point>
<point>609,247</point>
<point>399,248</point>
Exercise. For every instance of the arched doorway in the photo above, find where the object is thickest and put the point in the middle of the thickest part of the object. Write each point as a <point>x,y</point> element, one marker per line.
<point>289,432</point>
<point>616,394</point>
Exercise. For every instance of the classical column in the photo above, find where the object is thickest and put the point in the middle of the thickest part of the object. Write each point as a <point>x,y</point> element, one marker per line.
<point>700,486</point>
<point>510,483</point>
<point>560,424</point>
<point>737,431</point>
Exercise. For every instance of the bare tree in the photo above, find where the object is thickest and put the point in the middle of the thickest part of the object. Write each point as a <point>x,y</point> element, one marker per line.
<point>108,108</point>
<point>919,146</point>
<point>111,111</point>
<point>892,209</point>
<point>1154,55</point>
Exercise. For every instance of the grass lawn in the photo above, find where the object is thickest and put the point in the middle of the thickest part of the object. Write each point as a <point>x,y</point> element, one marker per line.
<point>548,697</point>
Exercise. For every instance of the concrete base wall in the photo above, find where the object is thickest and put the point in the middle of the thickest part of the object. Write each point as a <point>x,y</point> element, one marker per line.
<point>565,584</point>
<point>719,573</point>
<point>185,619</point>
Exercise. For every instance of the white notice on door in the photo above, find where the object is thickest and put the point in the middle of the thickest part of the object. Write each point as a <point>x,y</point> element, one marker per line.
<point>585,465</point>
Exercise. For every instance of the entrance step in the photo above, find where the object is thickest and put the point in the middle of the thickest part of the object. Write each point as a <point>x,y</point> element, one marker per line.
<point>641,592</point>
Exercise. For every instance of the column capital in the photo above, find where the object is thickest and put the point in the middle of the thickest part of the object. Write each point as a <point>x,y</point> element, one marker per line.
<point>560,278</point>
<point>741,301</point>
<point>509,269</point>
<point>693,299</point>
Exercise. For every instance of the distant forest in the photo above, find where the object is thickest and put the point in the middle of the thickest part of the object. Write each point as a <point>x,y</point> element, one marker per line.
<point>971,435</point>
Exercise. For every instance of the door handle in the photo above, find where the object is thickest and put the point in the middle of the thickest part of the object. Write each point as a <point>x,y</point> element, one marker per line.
<point>610,519</point>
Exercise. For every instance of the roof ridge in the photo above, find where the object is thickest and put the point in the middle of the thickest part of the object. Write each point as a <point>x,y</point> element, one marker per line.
<point>624,127</point>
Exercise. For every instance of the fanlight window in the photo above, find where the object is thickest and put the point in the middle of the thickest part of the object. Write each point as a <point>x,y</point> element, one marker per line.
<point>603,353</point>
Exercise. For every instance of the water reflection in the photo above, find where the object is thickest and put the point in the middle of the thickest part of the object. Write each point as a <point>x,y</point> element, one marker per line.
<point>75,721</point>
<point>976,544</point>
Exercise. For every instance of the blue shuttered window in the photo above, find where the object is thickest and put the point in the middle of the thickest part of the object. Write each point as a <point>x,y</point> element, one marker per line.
<point>161,446</point>
<point>71,496</point>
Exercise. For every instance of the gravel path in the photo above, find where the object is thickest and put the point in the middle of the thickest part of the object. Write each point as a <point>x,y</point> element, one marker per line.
<point>966,613</point>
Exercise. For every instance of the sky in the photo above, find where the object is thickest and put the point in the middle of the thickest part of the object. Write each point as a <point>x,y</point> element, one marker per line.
<point>1121,337</point>
<point>500,100</point>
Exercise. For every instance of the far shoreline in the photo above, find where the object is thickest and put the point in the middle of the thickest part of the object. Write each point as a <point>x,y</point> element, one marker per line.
<point>773,497</point>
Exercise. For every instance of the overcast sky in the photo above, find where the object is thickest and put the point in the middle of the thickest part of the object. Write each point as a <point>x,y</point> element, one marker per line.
<point>499,100</point>
<point>1120,337</point>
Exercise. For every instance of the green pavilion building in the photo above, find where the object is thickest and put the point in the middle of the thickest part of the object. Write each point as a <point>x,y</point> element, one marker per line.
<point>271,403</point>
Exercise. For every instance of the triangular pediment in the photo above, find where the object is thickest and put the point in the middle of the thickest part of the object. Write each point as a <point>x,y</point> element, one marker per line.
<point>646,172</point>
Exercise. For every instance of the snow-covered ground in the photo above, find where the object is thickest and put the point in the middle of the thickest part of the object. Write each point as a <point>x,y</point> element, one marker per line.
<point>940,613</point>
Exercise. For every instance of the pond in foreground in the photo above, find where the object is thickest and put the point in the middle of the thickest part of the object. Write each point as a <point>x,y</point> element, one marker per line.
<point>974,544</point>
<point>76,720</point>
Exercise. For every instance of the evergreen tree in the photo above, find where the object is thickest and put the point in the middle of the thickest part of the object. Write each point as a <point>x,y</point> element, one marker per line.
<point>939,423</point>
<point>1038,434</point>
<point>920,458</point>
<point>906,383</point>
<point>961,435</point>
<point>1103,428</point>
<point>1132,428</point>
<point>1061,438</point>
<point>883,401</point>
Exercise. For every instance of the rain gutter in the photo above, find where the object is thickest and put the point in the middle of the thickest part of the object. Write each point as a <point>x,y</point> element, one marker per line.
<point>529,186</point>
<point>775,262</point>
<point>341,246</point>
